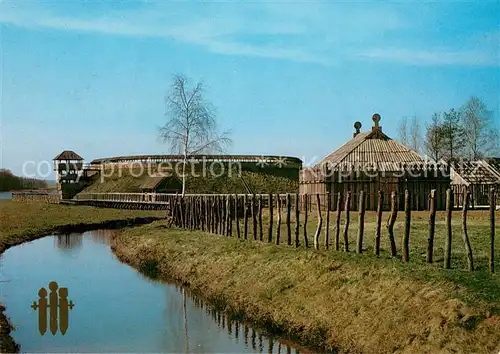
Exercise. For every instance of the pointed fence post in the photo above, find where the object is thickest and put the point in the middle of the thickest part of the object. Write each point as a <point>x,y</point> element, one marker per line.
<point>320,222</point>
<point>378,232</point>
<point>390,224</point>
<point>297,221</point>
<point>406,235</point>
<point>468,248</point>
<point>306,205</point>
<point>245,216</point>
<point>254,216</point>
<point>347,220</point>
<point>327,231</point>
<point>270,228</point>
<point>447,245</point>
<point>337,222</point>
<point>278,225</point>
<point>288,218</point>
<point>361,222</point>
<point>261,233</point>
<point>432,225</point>
<point>493,203</point>
<point>237,215</point>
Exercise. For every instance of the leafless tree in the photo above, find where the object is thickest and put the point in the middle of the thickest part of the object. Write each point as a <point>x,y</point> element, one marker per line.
<point>415,134</point>
<point>434,144</point>
<point>482,137</point>
<point>403,131</point>
<point>453,133</point>
<point>410,133</point>
<point>191,127</point>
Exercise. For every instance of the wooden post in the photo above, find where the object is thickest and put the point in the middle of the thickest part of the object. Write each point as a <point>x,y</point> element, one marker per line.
<point>380,203</point>
<point>361,222</point>
<point>261,234</point>
<point>306,241</point>
<point>288,225</point>
<point>181,212</point>
<point>493,203</point>
<point>468,248</point>
<point>270,228</point>
<point>254,217</point>
<point>391,222</point>
<point>406,236</point>
<point>278,201</point>
<point>447,245</point>
<point>432,225</point>
<point>228,215</point>
<point>297,221</point>
<point>337,222</point>
<point>347,220</point>
<point>237,215</point>
<point>245,216</point>
<point>224,215</point>
<point>327,231</point>
<point>320,223</point>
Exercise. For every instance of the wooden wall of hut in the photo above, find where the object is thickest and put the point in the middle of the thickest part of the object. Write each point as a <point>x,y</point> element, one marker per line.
<point>418,183</point>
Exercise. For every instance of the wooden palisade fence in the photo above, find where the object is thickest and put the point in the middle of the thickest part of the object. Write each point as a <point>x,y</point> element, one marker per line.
<point>222,214</point>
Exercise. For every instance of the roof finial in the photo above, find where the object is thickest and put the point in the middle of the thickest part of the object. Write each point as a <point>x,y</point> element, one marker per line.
<point>376,120</point>
<point>357,126</point>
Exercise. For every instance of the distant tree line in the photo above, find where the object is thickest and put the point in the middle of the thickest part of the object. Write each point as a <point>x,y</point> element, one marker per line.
<point>9,181</point>
<point>468,132</point>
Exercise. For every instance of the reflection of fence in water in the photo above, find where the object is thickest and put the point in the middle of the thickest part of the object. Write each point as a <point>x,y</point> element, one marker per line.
<point>240,331</point>
<point>68,241</point>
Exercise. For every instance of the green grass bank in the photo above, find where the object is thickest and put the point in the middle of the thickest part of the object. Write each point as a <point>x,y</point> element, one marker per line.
<point>333,299</point>
<point>23,222</point>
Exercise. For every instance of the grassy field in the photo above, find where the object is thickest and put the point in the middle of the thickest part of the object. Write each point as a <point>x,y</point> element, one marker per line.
<point>24,221</point>
<point>358,303</point>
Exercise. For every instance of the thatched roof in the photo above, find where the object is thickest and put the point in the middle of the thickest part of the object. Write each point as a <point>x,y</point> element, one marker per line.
<point>474,172</point>
<point>68,155</point>
<point>372,150</point>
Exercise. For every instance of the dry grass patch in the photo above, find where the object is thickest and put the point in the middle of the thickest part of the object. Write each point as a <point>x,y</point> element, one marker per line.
<point>325,298</point>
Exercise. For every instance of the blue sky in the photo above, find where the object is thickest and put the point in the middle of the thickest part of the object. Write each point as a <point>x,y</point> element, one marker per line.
<point>286,78</point>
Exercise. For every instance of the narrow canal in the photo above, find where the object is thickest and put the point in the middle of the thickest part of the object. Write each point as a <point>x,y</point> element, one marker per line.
<point>116,309</point>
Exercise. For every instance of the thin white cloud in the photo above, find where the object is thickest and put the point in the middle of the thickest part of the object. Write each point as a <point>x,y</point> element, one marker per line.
<point>316,33</point>
<point>437,57</point>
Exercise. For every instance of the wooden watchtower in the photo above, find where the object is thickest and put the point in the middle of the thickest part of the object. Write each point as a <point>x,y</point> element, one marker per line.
<point>69,167</point>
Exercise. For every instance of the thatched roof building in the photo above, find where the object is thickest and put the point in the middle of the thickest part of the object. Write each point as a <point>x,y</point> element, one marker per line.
<point>372,161</point>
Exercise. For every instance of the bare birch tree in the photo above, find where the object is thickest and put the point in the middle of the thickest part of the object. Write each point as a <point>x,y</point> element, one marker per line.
<point>434,138</point>
<point>482,137</point>
<point>403,131</point>
<point>453,133</point>
<point>191,127</point>
<point>410,133</point>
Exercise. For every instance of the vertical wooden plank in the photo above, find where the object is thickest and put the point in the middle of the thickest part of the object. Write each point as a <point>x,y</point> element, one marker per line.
<point>228,215</point>
<point>320,222</point>
<point>390,223</point>
<point>245,217</point>
<point>261,235</point>
<point>347,220</point>
<point>254,216</point>
<point>271,221</point>
<point>288,219</point>
<point>432,226</point>
<point>297,220</point>
<point>278,224</point>
<point>306,206</point>
<point>380,203</point>
<point>337,221</point>
<point>447,245</point>
<point>406,235</point>
<point>468,248</point>
<point>361,222</point>
<point>493,200</point>
<point>327,231</point>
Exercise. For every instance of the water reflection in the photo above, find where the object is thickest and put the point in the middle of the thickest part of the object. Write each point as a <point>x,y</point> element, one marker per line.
<point>117,309</point>
<point>68,241</point>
